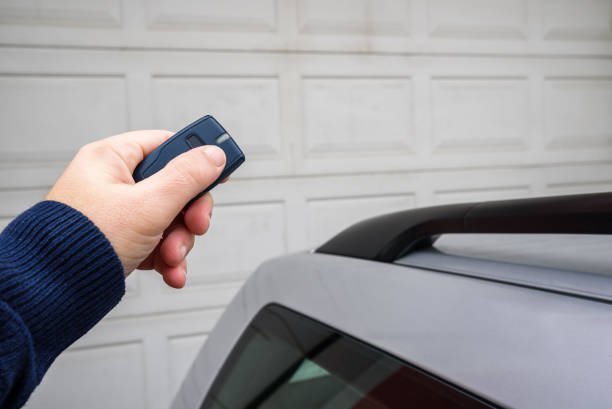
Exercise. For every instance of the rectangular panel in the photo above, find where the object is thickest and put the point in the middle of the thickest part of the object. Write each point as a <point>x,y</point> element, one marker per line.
<point>578,20</point>
<point>210,15</point>
<point>343,115</point>
<point>240,238</point>
<point>480,113</point>
<point>247,107</point>
<point>329,216</point>
<point>182,350</point>
<point>380,17</point>
<point>578,112</point>
<point>91,377</point>
<point>49,117</point>
<point>106,13</point>
<point>484,19</point>
<point>14,202</point>
<point>480,194</point>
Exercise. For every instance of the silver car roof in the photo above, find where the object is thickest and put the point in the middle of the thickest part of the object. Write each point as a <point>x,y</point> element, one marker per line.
<point>518,343</point>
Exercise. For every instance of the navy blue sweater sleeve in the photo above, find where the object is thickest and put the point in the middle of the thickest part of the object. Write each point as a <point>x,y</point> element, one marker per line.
<point>59,276</point>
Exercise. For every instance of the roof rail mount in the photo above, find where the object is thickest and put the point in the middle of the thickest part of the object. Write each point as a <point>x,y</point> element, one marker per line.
<point>389,237</point>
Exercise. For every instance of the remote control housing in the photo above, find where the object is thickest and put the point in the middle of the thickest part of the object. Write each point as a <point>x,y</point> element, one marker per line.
<point>205,131</point>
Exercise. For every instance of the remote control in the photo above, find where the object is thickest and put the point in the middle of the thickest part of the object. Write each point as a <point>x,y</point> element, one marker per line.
<point>205,131</point>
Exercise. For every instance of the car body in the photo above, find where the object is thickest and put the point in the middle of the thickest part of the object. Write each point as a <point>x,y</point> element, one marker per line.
<point>475,320</point>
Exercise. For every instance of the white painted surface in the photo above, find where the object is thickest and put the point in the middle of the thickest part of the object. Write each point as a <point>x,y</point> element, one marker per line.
<point>346,109</point>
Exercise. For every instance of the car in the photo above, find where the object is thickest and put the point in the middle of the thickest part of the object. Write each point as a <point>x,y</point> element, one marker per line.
<point>477,305</point>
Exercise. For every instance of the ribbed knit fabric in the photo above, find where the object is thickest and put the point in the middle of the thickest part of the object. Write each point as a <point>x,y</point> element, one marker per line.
<point>59,276</point>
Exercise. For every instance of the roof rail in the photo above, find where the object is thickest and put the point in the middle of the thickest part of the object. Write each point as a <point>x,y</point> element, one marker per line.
<point>389,237</point>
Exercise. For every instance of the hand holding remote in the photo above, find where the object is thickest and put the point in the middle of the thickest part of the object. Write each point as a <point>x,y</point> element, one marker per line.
<point>145,222</point>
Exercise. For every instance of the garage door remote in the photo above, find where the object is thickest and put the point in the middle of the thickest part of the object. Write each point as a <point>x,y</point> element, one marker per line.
<point>204,131</point>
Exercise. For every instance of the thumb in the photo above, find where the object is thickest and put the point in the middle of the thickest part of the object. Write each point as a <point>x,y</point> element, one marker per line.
<point>184,177</point>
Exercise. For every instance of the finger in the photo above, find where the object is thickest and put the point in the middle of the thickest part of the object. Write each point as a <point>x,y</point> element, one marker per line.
<point>133,146</point>
<point>176,276</point>
<point>198,214</point>
<point>176,245</point>
<point>183,178</point>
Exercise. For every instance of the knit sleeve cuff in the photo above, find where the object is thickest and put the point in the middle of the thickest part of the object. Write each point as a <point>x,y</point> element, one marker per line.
<point>59,274</point>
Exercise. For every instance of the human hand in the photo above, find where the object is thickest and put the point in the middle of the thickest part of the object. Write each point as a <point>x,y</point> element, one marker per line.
<point>146,223</point>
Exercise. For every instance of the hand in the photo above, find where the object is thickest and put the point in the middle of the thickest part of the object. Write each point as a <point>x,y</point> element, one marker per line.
<point>146,223</point>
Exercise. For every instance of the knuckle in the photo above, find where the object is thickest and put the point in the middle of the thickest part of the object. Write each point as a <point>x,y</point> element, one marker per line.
<point>94,149</point>
<point>128,149</point>
<point>87,149</point>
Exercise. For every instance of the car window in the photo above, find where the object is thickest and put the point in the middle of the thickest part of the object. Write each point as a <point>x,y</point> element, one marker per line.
<point>285,360</point>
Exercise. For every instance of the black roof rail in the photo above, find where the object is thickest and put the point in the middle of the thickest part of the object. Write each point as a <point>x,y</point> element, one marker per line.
<point>389,237</point>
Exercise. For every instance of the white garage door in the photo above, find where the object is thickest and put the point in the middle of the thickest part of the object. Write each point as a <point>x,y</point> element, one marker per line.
<point>346,109</point>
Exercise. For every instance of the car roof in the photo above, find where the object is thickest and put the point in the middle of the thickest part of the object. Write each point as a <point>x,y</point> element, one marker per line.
<point>518,346</point>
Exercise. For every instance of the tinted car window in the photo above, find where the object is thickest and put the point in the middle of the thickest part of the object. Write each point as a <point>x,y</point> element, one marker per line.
<point>285,360</point>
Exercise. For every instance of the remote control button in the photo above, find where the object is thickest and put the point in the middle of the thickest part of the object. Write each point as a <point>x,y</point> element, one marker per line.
<point>193,141</point>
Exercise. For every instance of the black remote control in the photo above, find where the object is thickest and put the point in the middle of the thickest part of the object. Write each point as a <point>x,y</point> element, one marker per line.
<point>205,131</point>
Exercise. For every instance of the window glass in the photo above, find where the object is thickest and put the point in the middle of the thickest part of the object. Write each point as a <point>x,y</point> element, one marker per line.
<point>287,361</point>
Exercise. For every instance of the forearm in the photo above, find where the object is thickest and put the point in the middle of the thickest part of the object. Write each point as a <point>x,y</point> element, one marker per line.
<point>59,276</point>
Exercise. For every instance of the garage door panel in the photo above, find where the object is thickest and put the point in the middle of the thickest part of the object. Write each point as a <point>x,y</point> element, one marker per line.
<point>577,112</point>
<point>335,124</point>
<point>247,107</point>
<point>478,19</point>
<point>210,15</point>
<point>480,113</point>
<point>577,21</point>
<point>38,111</point>
<point>386,17</point>
<point>61,13</point>
<point>90,378</point>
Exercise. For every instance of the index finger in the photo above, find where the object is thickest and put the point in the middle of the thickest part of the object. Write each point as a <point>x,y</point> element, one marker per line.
<point>133,146</point>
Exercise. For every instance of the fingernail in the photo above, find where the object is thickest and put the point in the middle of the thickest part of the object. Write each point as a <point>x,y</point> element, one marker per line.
<point>215,154</point>
<point>183,251</point>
